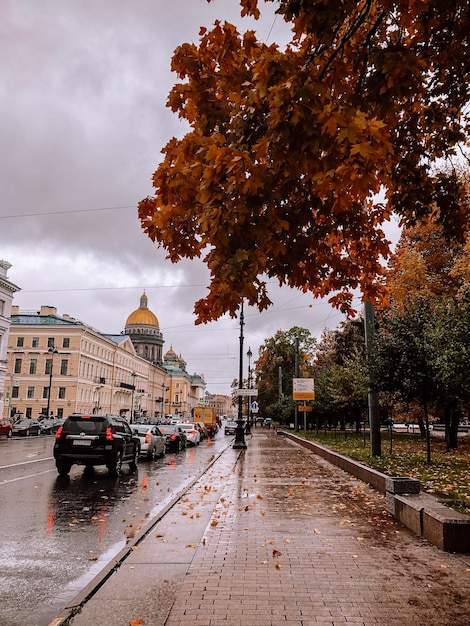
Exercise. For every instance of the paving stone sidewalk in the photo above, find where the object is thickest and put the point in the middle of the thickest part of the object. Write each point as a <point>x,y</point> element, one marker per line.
<point>277,536</point>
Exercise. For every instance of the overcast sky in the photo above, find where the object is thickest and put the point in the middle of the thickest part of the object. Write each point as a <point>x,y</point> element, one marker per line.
<point>83,120</point>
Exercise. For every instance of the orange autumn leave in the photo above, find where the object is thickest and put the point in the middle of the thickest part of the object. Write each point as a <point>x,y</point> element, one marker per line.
<point>296,157</point>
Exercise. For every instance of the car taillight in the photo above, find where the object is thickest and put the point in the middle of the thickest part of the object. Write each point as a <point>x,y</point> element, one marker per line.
<point>192,432</point>
<point>173,437</point>
<point>147,438</point>
<point>59,432</point>
<point>109,434</point>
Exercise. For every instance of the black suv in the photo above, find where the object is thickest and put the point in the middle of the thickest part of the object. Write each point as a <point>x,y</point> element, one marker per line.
<point>95,440</point>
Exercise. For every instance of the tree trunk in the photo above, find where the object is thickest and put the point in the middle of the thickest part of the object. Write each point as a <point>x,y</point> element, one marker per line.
<point>428,436</point>
<point>421,424</point>
<point>453,430</point>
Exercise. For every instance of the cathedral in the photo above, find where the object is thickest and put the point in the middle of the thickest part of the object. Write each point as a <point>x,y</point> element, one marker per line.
<point>143,329</point>
<point>182,390</point>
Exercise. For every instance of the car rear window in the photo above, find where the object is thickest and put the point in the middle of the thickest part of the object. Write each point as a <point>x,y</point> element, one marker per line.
<point>88,425</point>
<point>140,429</point>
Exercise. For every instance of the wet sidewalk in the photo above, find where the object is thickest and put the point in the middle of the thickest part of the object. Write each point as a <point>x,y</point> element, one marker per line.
<point>273,535</point>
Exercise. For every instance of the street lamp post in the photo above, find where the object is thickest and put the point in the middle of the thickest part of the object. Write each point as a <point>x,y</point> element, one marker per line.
<point>240,442</point>
<point>51,351</point>
<point>131,420</point>
<point>249,354</point>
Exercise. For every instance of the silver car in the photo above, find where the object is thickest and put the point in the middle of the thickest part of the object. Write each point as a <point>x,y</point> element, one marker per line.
<point>152,442</point>
<point>192,434</point>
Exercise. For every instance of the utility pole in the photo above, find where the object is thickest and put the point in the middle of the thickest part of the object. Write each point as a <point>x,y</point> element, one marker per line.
<point>372,395</point>
<point>296,410</point>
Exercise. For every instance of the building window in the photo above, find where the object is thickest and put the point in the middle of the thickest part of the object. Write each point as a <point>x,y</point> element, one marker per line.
<point>48,367</point>
<point>15,392</point>
<point>33,366</point>
<point>64,366</point>
<point>35,342</point>
<point>61,393</point>
<point>60,413</point>
<point>50,342</point>
<point>19,342</point>
<point>18,363</point>
<point>2,307</point>
<point>66,342</point>
<point>45,392</point>
<point>29,412</point>
<point>30,392</point>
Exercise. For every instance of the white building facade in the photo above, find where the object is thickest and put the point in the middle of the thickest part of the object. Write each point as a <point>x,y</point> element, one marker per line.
<point>7,291</point>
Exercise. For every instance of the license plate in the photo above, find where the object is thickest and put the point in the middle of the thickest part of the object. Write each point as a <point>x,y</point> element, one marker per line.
<point>82,442</point>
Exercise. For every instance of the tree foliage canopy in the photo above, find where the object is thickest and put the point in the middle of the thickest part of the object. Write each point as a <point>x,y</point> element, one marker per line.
<point>287,150</point>
<point>275,366</point>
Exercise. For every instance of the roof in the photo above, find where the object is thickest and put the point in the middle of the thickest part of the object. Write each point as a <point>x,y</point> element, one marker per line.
<point>143,316</point>
<point>31,319</point>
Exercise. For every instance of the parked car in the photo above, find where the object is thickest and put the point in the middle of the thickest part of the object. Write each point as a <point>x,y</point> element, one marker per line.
<point>192,434</point>
<point>5,428</point>
<point>46,425</point>
<point>92,440</point>
<point>57,424</point>
<point>152,441</point>
<point>175,437</point>
<point>26,427</point>
<point>202,430</point>
<point>230,427</point>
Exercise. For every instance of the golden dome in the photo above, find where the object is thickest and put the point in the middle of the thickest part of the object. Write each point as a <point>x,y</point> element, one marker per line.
<point>142,316</point>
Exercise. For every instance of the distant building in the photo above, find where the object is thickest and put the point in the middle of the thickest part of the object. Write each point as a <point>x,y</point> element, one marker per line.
<point>7,290</point>
<point>223,404</point>
<point>184,391</point>
<point>58,365</point>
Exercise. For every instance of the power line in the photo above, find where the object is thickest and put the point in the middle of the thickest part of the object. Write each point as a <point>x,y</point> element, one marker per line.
<point>108,208</point>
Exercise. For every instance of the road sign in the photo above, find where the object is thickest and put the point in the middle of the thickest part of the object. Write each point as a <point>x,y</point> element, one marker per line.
<point>250,393</point>
<point>304,408</point>
<point>303,389</point>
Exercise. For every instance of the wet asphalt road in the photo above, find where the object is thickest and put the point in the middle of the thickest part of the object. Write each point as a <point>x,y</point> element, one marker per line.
<point>57,533</point>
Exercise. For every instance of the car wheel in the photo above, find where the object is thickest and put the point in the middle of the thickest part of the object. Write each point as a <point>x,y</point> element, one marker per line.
<point>116,467</point>
<point>27,433</point>
<point>135,458</point>
<point>63,467</point>
<point>163,451</point>
<point>151,455</point>
<point>179,447</point>
<point>9,434</point>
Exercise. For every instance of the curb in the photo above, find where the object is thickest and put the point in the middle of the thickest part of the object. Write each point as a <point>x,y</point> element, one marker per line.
<point>422,513</point>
